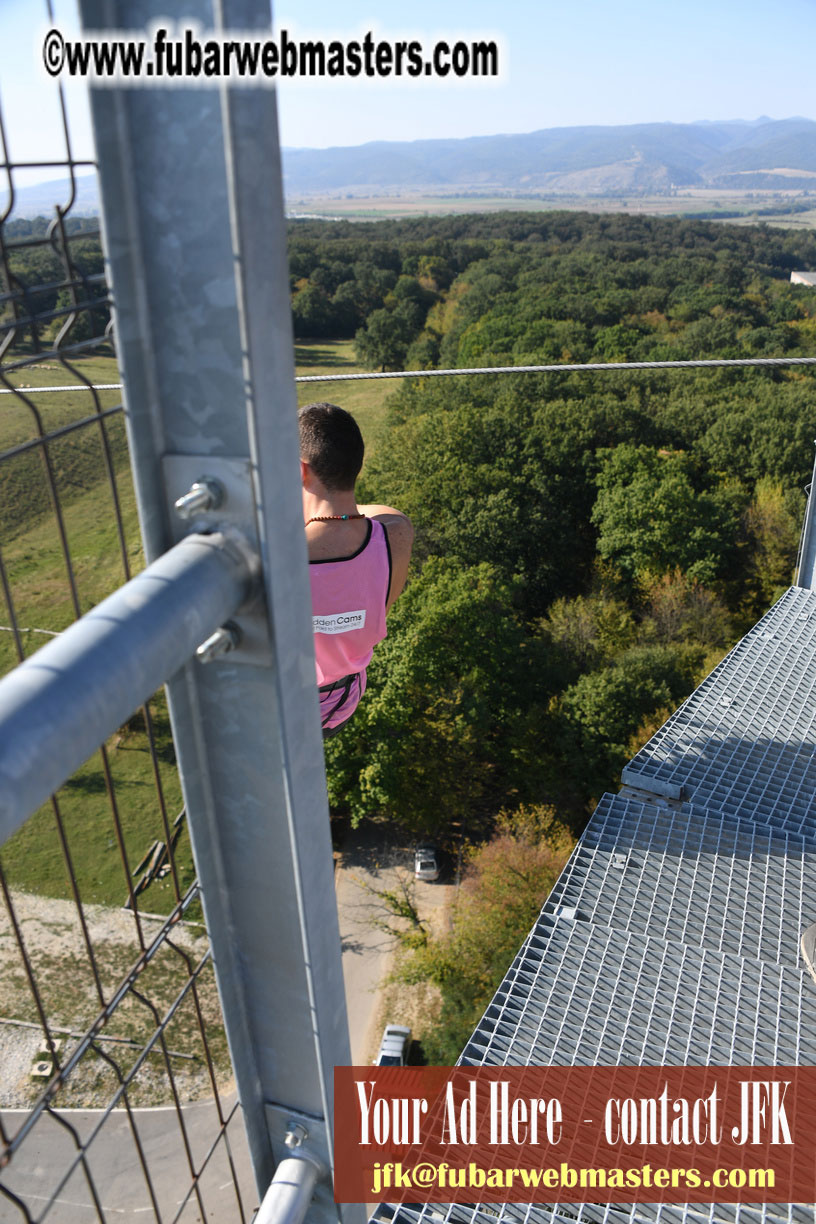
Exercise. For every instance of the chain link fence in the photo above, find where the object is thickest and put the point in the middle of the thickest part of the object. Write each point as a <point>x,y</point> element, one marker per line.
<point>115,1078</point>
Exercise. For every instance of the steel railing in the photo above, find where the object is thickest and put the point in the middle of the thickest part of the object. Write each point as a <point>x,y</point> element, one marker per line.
<point>124,1000</point>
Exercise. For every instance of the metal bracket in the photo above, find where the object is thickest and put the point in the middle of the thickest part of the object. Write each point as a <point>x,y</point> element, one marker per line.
<point>235,511</point>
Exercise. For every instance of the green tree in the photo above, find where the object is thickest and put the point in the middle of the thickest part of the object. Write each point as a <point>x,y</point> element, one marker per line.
<point>86,323</point>
<point>681,609</point>
<point>590,629</point>
<point>348,305</point>
<point>382,343</point>
<point>373,282</point>
<point>434,272</point>
<point>423,354</point>
<point>501,471</point>
<point>773,520</point>
<point>652,519</point>
<point>408,289</point>
<point>601,711</point>
<point>451,718</point>
<point>312,313</point>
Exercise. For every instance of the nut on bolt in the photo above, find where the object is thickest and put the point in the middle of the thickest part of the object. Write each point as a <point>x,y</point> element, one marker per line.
<point>225,639</point>
<point>205,494</point>
<point>295,1135</point>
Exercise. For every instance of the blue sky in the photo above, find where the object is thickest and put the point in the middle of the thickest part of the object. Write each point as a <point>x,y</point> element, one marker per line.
<point>594,62</point>
<point>587,62</point>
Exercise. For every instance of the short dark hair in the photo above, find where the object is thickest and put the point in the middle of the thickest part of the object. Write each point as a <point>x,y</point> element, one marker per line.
<point>331,443</point>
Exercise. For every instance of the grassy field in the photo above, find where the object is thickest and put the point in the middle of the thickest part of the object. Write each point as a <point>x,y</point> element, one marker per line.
<point>365,399</point>
<point>38,576</point>
<point>38,569</point>
<point>77,458</point>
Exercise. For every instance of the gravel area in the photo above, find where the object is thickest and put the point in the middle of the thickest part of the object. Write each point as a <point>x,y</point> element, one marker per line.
<point>56,950</point>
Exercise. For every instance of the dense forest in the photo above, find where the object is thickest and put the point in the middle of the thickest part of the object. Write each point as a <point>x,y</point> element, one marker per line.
<point>36,269</point>
<point>588,545</point>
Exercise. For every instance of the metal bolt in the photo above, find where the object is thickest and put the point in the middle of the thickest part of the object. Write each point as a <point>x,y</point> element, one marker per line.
<point>205,494</point>
<point>295,1135</point>
<point>225,639</point>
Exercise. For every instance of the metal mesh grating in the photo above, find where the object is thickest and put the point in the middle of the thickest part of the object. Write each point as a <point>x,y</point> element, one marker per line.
<point>745,741</point>
<point>582,994</point>
<point>595,1213</point>
<point>672,935</point>
<point>693,876</point>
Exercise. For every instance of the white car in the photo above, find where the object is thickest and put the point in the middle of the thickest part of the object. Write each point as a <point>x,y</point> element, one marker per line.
<point>426,864</point>
<point>394,1046</point>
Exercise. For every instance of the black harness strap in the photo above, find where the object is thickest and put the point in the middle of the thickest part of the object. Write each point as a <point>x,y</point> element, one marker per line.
<point>344,687</point>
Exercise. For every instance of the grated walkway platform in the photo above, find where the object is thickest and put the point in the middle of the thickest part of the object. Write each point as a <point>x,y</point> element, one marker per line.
<point>693,876</point>
<point>672,935</point>
<point>745,741</point>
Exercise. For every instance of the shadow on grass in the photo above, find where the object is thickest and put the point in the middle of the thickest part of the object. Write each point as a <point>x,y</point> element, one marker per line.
<point>88,784</point>
<point>307,355</point>
<point>164,751</point>
<point>24,347</point>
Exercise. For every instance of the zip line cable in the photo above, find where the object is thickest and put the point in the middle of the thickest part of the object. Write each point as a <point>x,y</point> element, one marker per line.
<point>74,387</point>
<point>557,368</point>
<point>563,368</point>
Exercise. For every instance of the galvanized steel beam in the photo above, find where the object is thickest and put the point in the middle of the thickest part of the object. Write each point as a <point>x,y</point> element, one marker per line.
<point>806,574</point>
<point>195,240</point>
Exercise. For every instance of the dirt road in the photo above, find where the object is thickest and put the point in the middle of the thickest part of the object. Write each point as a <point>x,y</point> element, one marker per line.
<point>373,859</point>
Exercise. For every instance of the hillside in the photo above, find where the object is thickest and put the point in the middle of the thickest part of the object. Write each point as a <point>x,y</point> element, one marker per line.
<point>640,160</point>
<point>653,157</point>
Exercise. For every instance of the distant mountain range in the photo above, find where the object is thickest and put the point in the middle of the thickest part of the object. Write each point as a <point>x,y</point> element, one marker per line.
<point>645,158</point>
<point>39,201</point>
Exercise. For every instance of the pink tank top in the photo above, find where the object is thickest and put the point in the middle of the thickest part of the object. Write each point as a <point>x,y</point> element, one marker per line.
<point>349,595</point>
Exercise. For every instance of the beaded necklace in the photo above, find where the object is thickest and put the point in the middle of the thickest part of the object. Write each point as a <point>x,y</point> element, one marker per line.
<point>330,518</point>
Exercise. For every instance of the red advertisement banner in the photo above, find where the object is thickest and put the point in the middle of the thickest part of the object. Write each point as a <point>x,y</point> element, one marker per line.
<point>575,1134</point>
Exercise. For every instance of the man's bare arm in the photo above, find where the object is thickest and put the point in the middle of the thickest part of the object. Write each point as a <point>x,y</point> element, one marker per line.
<point>400,531</point>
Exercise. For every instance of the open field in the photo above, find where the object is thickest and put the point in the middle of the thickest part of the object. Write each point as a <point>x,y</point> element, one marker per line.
<point>777,208</point>
<point>38,576</point>
<point>805,220</point>
<point>28,527</point>
<point>33,860</point>
<point>365,400</point>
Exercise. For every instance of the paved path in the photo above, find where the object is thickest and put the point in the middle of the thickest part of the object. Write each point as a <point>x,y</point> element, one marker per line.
<point>117,1175</point>
<point>366,864</point>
